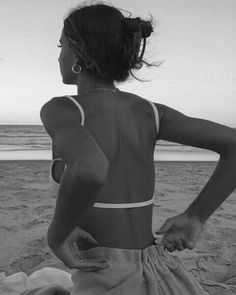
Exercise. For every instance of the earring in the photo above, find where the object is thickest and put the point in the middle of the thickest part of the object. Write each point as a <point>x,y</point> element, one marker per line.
<point>74,69</point>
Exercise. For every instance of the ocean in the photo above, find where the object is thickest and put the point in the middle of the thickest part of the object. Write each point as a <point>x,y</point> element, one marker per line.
<point>31,142</point>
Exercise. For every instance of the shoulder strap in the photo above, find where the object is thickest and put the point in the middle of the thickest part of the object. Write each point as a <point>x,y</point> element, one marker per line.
<point>155,114</point>
<point>79,106</point>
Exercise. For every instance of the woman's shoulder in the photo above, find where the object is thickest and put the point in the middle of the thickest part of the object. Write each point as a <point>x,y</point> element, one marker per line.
<point>59,105</point>
<point>56,101</point>
<point>145,104</point>
<point>58,109</point>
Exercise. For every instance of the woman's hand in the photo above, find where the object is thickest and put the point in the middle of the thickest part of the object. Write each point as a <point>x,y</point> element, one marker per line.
<point>68,253</point>
<point>180,232</point>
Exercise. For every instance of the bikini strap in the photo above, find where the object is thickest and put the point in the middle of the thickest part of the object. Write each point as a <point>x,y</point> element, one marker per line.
<point>79,107</point>
<point>156,115</point>
<point>124,205</point>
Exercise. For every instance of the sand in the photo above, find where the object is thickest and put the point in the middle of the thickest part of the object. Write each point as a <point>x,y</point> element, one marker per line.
<point>26,209</point>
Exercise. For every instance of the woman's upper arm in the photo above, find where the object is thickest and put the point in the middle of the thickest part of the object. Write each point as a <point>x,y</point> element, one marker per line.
<point>74,143</point>
<point>201,133</point>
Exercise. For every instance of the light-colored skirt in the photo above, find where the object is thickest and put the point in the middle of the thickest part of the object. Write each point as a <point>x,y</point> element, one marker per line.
<point>152,271</point>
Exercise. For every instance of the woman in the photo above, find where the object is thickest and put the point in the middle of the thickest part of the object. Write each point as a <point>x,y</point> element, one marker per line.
<point>103,168</point>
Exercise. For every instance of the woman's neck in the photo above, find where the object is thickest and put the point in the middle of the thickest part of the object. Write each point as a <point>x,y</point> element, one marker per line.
<point>85,84</point>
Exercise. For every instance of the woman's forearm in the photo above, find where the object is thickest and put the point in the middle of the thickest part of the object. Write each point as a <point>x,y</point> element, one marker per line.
<point>220,185</point>
<point>75,196</point>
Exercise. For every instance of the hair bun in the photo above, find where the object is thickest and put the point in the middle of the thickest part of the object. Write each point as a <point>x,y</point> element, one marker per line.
<point>139,25</point>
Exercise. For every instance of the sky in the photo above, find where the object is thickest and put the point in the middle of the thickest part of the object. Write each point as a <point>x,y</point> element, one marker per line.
<point>194,39</point>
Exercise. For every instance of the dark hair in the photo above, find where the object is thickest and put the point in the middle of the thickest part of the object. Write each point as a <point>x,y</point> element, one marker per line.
<point>107,43</point>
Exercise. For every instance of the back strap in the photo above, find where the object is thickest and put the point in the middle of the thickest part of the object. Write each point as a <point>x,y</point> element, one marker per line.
<point>80,108</point>
<point>155,114</point>
<point>123,205</point>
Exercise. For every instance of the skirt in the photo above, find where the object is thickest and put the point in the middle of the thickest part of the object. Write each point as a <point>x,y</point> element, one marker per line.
<point>151,271</point>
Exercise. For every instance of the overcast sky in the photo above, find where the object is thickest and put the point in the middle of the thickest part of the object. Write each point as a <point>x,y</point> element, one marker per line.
<point>195,39</point>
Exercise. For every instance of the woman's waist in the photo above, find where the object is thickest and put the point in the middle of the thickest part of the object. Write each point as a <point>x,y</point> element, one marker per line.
<point>119,229</point>
<point>122,244</point>
<point>135,255</point>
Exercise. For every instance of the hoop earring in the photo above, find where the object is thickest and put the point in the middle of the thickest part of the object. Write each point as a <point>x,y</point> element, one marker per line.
<point>74,70</point>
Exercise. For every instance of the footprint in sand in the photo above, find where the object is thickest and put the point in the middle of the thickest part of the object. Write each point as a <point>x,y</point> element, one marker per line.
<point>228,216</point>
<point>42,209</point>
<point>30,224</point>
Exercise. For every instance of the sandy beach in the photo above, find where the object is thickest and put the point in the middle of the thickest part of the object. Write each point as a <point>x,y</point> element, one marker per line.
<point>27,205</point>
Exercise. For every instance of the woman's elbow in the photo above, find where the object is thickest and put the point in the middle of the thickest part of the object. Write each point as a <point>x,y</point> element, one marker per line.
<point>98,174</point>
<point>94,173</point>
<point>229,147</point>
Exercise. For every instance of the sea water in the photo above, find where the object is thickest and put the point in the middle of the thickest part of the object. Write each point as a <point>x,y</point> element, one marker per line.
<point>31,142</point>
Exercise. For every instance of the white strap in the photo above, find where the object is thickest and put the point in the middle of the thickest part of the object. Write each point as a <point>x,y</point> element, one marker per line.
<point>124,205</point>
<point>57,159</point>
<point>79,106</point>
<point>105,205</point>
<point>155,114</point>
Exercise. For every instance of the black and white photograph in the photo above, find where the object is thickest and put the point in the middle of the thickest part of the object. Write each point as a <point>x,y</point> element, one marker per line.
<point>117,147</point>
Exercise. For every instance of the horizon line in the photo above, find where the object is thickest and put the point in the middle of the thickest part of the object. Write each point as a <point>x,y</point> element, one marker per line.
<point>37,124</point>
<point>41,124</point>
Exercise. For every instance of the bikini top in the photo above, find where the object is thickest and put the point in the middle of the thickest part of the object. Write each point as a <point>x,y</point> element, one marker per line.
<point>55,186</point>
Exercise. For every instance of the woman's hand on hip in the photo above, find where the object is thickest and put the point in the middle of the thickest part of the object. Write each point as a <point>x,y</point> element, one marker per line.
<point>68,253</point>
<point>180,232</point>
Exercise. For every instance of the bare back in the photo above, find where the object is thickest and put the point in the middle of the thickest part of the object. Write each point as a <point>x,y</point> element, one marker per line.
<point>123,124</point>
